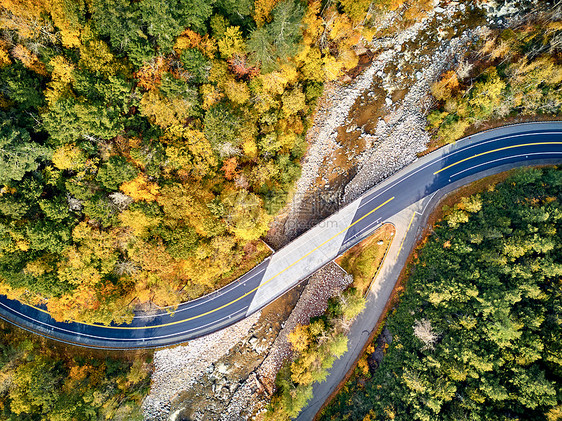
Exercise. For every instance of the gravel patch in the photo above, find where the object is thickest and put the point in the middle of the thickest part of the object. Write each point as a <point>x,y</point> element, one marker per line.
<point>175,369</point>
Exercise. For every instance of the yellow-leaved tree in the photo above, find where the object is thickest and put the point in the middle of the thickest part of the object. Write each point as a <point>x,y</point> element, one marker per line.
<point>165,112</point>
<point>232,42</point>
<point>66,16</point>
<point>61,79</point>
<point>69,157</point>
<point>444,88</point>
<point>140,188</point>
<point>262,10</point>
<point>245,215</point>
<point>300,338</point>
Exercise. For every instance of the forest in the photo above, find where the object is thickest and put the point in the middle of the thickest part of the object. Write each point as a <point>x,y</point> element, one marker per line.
<point>41,382</point>
<point>145,146</point>
<point>476,334</point>
<point>515,72</point>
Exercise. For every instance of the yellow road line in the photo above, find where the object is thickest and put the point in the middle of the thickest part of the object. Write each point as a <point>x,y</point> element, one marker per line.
<point>37,308</point>
<point>496,150</point>
<point>242,296</point>
<point>407,229</point>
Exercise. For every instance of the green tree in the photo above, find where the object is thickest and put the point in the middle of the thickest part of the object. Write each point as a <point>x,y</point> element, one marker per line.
<point>115,172</point>
<point>36,386</point>
<point>165,21</point>
<point>48,236</point>
<point>68,121</point>
<point>353,303</point>
<point>196,64</point>
<point>18,153</point>
<point>121,21</point>
<point>286,28</point>
<point>21,86</point>
<point>221,130</point>
<point>280,39</point>
<point>260,47</point>
<point>236,11</point>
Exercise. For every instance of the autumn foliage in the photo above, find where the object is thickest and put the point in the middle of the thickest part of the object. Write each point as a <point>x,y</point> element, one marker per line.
<point>152,142</point>
<point>50,383</point>
<point>512,73</point>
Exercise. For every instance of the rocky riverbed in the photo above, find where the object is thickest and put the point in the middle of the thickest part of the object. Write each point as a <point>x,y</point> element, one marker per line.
<point>176,369</point>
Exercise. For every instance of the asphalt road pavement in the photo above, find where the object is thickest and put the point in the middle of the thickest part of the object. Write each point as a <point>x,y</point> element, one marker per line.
<point>484,153</point>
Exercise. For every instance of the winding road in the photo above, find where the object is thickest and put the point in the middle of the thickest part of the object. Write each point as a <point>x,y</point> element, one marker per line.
<point>484,153</point>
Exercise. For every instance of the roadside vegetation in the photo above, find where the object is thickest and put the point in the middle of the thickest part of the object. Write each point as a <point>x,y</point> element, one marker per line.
<point>315,348</point>
<point>514,72</point>
<point>363,260</point>
<point>41,382</point>
<point>318,344</point>
<point>476,332</point>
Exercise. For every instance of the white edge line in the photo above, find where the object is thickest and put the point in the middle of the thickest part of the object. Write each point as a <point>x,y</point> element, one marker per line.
<point>119,339</point>
<point>505,158</point>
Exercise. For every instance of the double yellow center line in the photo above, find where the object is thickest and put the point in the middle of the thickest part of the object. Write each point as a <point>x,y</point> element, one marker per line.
<point>496,150</point>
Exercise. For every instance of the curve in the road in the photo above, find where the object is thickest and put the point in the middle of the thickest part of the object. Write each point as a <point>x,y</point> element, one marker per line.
<point>515,145</point>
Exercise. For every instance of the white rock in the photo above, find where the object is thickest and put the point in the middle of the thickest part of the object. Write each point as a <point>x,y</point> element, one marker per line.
<point>222,368</point>
<point>253,341</point>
